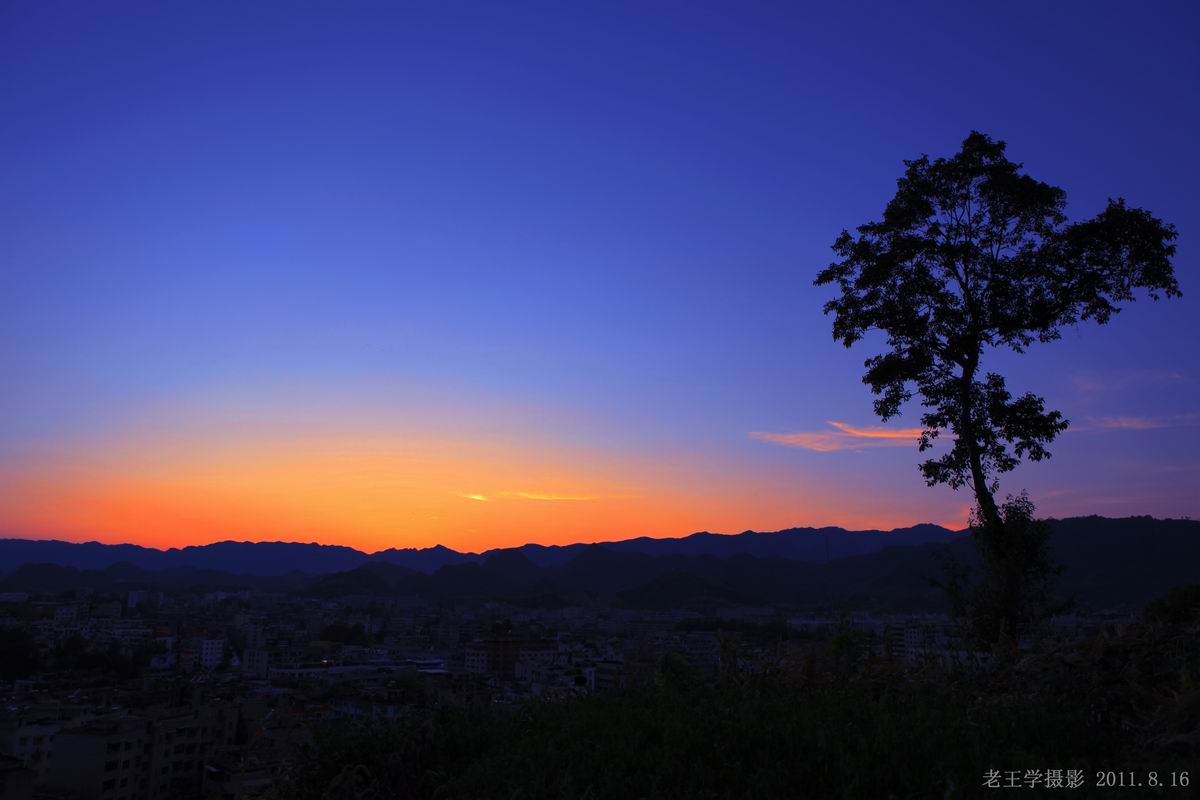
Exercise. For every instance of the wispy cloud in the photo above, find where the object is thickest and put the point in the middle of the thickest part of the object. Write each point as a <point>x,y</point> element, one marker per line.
<point>1097,383</point>
<point>1051,493</point>
<point>876,432</point>
<point>1139,423</point>
<point>553,497</point>
<point>843,437</point>
<point>507,495</point>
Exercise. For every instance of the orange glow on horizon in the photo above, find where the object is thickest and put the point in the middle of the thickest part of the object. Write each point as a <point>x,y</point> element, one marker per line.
<point>373,492</point>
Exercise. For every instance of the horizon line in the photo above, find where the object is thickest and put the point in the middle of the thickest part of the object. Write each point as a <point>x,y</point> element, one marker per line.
<point>540,544</point>
<point>473,552</point>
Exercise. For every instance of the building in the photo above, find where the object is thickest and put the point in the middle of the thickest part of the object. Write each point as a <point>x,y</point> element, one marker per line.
<point>104,759</point>
<point>605,676</point>
<point>233,774</point>
<point>211,652</point>
<point>177,744</point>
<point>256,662</point>
<point>28,733</point>
<point>498,655</point>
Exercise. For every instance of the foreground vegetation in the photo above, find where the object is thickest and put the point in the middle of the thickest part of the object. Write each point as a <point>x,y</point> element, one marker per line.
<point>824,727</point>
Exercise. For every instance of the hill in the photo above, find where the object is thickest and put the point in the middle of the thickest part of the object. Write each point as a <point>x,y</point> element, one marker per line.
<point>1110,562</point>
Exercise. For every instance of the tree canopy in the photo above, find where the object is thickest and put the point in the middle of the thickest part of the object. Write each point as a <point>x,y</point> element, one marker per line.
<point>972,254</point>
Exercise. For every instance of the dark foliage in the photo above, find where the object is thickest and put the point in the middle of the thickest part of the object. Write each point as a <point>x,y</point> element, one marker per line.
<point>834,726</point>
<point>1014,591</point>
<point>1181,606</point>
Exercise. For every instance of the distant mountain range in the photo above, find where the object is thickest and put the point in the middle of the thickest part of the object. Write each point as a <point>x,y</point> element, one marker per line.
<point>282,558</point>
<point>1109,562</point>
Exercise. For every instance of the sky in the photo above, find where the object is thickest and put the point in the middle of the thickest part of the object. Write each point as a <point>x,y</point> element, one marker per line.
<point>480,274</point>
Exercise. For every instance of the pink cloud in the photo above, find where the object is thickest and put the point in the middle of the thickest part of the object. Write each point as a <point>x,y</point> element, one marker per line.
<point>843,437</point>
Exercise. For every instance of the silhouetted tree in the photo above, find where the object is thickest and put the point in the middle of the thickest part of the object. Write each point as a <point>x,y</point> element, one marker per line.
<point>971,255</point>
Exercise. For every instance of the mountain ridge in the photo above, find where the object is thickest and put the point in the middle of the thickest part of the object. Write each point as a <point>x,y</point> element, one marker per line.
<point>276,558</point>
<point>1109,563</point>
<point>282,557</point>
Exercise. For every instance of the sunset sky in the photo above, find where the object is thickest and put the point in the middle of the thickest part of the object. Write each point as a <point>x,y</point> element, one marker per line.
<point>391,275</point>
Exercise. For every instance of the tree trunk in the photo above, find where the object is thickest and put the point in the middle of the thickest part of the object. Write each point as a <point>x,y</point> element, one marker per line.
<point>983,493</point>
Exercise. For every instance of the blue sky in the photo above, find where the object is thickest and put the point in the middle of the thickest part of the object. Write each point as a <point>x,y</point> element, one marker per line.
<point>581,231</point>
